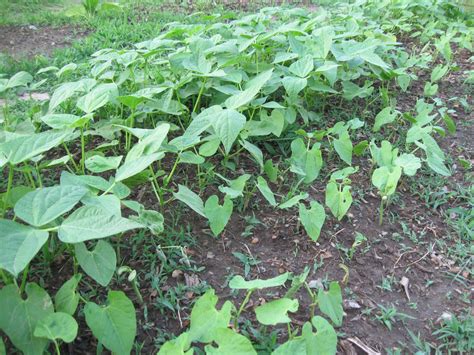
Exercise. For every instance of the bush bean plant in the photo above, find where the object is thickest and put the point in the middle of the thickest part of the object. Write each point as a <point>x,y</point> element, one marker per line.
<point>253,102</point>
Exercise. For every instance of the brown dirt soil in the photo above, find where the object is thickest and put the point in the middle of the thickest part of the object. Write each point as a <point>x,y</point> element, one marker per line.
<point>29,41</point>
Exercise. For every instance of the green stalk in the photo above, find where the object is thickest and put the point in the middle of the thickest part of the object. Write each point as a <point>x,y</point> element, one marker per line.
<point>83,153</point>
<point>9,187</point>
<point>245,301</point>
<point>198,100</point>
<point>137,291</point>
<point>4,277</point>
<point>23,279</point>
<point>381,212</point>
<point>71,157</point>
<point>168,178</point>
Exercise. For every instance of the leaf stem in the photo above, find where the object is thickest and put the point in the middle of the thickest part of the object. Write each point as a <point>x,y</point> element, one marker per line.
<point>9,186</point>
<point>244,302</point>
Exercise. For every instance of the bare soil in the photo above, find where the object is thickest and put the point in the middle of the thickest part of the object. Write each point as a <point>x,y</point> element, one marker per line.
<point>30,41</point>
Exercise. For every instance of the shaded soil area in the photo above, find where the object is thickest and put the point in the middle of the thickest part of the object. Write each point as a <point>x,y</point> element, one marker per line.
<point>30,41</point>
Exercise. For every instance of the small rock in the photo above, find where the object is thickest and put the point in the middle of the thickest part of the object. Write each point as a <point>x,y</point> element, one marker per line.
<point>33,28</point>
<point>348,304</point>
<point>445,317</point>
<point>255,240</point>
<point>176,273</point>
<point>210,255</point>
<point>281,270</point>
<point>315,283</point>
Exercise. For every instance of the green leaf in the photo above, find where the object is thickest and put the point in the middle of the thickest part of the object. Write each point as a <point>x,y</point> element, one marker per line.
<point>239,283</point>
<point>330,303</point>
<point>450,124</point>
<point>229,342</point>
<point>3,351</point>
<point>387,115</point>
<point>191,199</point>
<point>149,144</point>
<point>19,317</point>
<point>136,166</point>
<point>324,342</point>
<point>386,179</point>
<point>217,215</point>
<point>61,120</point>
<point>91,222</point>
<point>271,171</point>
<point>302,67</point>
<point>206,319</point>
<point>227,126</point>
<point>21,78</point>
<point>99,163</point>
<point>44,205</point>
<point>306,163</point>
<point>189,157</point>
<point>294,85</point>
<point>293,201</point>
<point>153,220</point>
<point>438,72</point>
<point>409,163</point>
<point>265,191</point>
<point>338,201</point>
<point>97,97</point>
<point>177,346</point>
<point>435,156</point>
<point>109,203</point>
<point>254,151</point>
<point>57,326</point>
<point>244,97</point>
<point>275,312</point>
<point>114,325</point>
<point>23,148</point>
<point>236,186</point>
<point>312,219</point>
<point>20,244</point>
<point>360,148</point>
<point>67,297</point>
<point>99,264</point>
<point>343,147</point>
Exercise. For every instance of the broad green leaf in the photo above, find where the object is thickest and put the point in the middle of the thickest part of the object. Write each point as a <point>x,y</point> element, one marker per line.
<point>97,97</point>
<point>57,326</point>
<point>44,205</point>
<point>435,156</point>
<point>306,163</point>
<point>338,199</point>
<point>244,97</point>
<point>254,151</point>
<point>135,166</point>
<point>263,187</point>
<point>114,325</point>
<point>99,163</point>
<point>343,147</point>
<point>330,303</point>
<point>386,179</point>
<point>206,319</point>
<point>177,346</point>
<point>109,203</point>
<point>352,91</point>
<point>61,120</point>
<point>91,222</point>
<point>275,312</point>
<point>409,163</point>
<point>302,67</point>
<point>227,126</point>
<point>387,115</point>
<point>201,122</point>
<point>438,72</point>
<point>149,144</point>
<point>293,201</point>
<point>294,85</point>
<point>324,342</point>
<point>239,283</point>
<point>189,157</point>
<point>99,264</point>
<point>235,187</point>
<point>218,215</point>
<point>20,244</point>
<point>3,351</point>
<point>23,148</point>
<point>21,78</point>
<point>294,346</point>
<point>67,297</point>
<point>323,38</point>
<point>19,317</point>
<point>191,199</point>
<point>153,220</point>
<point>450,124</point>
<point>229,342</point>
<point>271,171</point>
<point>312,219</point>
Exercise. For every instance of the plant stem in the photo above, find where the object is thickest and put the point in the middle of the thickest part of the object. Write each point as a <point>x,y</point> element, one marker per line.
<point>245,301</point>
<point>137,292</point>
<point>381,212</point>
<point>23,279</point>
<point>9,187</point>
<point>4,277</point>
<point>83,153</point>
<point>198,100</point>
<point>71,157</point>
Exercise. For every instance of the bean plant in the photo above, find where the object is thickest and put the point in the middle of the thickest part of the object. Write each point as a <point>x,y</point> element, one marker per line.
<point>243,106</point>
